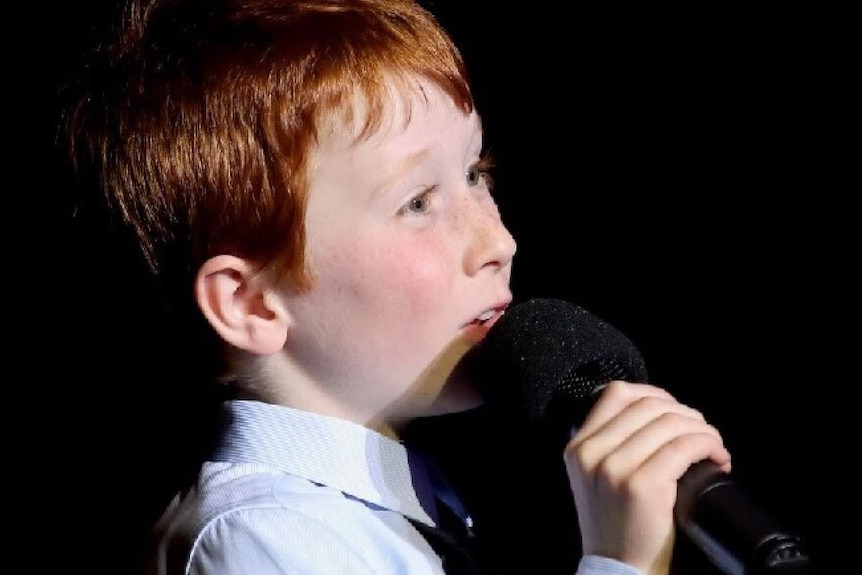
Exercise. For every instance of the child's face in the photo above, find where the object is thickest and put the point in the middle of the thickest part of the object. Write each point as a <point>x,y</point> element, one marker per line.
<point>407,249</point>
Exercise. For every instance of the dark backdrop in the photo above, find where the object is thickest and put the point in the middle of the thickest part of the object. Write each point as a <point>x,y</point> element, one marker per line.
<point>683,174</point>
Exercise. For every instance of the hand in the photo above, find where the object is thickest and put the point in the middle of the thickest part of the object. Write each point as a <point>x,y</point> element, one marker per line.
<point>623,465</point>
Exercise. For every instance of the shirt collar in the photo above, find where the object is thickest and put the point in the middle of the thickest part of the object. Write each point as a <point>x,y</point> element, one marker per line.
<point>346,456</point>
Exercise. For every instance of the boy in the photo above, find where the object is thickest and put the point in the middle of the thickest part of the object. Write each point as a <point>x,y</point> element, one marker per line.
<point>306,181</point>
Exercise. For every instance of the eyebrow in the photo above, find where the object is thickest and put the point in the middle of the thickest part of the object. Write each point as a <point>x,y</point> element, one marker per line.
<point>402,168</point>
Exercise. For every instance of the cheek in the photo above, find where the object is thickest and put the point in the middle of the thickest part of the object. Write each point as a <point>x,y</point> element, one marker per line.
<point>415,275</point>
<point>399,281</point>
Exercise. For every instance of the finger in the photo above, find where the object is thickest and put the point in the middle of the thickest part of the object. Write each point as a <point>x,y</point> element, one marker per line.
<point>592,446</point>
<point>668,429</point>
<point>615,397</point>
<point>674,458</point>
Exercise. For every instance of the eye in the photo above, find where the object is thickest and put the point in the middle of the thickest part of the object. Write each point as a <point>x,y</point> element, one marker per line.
<point>480,172</point>
<point>420,203</point>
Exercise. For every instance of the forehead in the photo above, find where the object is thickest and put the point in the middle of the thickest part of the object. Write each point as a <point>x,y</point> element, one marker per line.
<point>399,107</point>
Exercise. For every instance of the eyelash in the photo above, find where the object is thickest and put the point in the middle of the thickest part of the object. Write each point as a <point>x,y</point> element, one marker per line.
<point>423,195</point>
<point>483,167</point>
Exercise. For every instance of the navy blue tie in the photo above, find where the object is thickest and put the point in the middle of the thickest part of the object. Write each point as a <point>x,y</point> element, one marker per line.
<point>453,538</point>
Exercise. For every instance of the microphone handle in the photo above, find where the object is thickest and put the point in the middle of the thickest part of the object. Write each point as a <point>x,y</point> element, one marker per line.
<point>731,529</point>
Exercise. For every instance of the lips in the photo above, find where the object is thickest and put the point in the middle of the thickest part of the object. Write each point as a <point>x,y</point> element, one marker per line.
<point>478,328</point>
<point>485,316</point>
<point>489,322</point>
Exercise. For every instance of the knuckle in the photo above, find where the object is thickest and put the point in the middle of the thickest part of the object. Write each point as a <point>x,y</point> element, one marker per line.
<point>581,452</point>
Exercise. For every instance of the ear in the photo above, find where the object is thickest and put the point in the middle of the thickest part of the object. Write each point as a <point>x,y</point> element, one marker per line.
<point>242,307</point>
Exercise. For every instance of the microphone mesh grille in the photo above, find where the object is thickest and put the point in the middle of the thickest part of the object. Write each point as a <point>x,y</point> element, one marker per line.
<point>546,358</point>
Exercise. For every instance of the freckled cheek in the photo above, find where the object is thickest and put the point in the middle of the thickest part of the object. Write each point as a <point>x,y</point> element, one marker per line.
<point>415,277</point>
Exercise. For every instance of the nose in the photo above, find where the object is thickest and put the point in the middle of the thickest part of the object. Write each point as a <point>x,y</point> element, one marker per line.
<point>490,245</point>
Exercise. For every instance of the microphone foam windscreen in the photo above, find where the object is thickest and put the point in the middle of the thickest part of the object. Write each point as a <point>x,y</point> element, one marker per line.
<point>545,359</point>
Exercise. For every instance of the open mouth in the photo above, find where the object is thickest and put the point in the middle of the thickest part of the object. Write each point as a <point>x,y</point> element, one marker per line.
<point>487,319</point>
<point>476,330</point>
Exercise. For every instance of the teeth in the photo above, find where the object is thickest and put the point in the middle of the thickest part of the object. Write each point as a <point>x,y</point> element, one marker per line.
<point>486,316</point>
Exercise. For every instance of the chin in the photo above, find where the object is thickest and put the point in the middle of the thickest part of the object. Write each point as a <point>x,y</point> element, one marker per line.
<point>458,394</point>
<point>446,385</point>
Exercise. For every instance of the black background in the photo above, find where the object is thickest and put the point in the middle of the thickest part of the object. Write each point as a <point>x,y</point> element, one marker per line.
<point>684,174</point>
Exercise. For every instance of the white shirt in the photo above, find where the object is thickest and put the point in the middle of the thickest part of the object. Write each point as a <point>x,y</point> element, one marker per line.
<point>296,493</point>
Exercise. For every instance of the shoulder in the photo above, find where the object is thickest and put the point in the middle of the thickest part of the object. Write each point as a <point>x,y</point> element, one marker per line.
<point>252,518</point>
<point>595,565</point>
<point>274,540</point>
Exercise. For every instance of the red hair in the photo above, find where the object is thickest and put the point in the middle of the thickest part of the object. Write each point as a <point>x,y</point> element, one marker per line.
<point>202,114</point>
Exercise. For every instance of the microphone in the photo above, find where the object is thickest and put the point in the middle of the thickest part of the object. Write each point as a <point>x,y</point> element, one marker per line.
<point>546,361</point>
